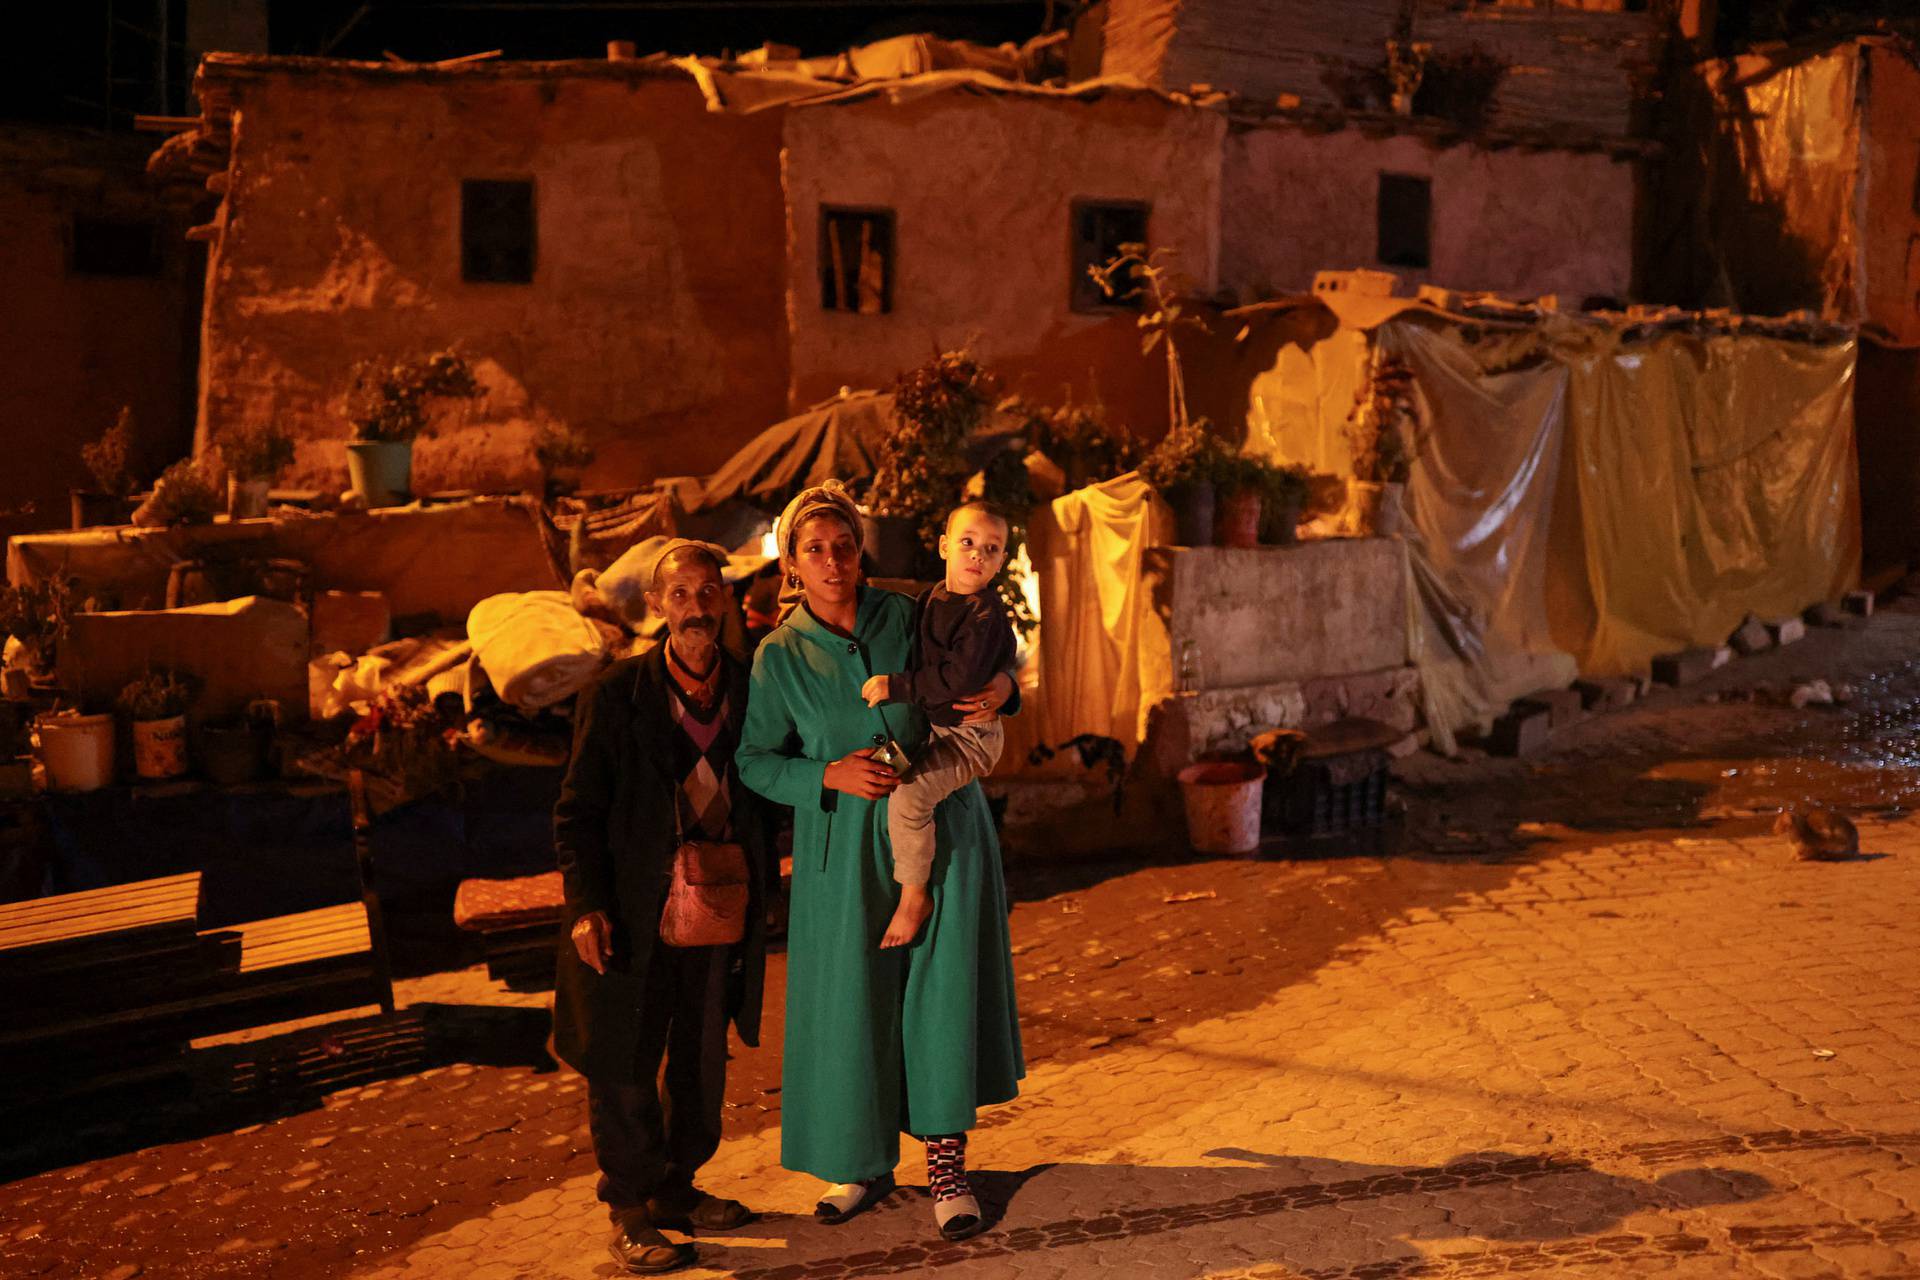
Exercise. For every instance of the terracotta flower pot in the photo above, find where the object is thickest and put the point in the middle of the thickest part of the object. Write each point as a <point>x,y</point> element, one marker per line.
<point>1237,519</point>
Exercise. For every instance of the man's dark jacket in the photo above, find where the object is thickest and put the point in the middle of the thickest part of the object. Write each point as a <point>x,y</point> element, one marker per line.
<point>614,834</point>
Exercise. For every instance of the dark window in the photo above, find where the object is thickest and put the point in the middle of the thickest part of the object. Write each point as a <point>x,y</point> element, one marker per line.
<point>1405,220</point>
<point>856,260</point>
<point>496,232</point>
<point>110,247</point>
<point>1099,230</point>
<point>1916,190</point>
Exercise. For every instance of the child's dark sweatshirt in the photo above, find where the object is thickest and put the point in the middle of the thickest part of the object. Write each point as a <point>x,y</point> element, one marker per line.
<point>959,644</point>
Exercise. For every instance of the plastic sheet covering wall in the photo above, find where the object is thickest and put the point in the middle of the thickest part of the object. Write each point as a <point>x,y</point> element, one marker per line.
<point>1484,509</point>
<point>1101,666</point>
<point>1716,479</point>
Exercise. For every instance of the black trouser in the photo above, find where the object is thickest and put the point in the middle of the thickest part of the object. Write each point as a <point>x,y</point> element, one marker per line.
<point>646,1148</point>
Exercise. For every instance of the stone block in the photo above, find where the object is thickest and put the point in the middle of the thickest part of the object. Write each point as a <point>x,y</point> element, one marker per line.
<point>1722,656</point>
<point>350,621</point>
<point>1684,666</point>
<point>1828,613</point>
<point>1520,732</point>
<point>1752,637</point>
<point>237,650</point>
<point>1607,693</point>
<point>1858,603</point>
<point>1563,706</point>
<point>1787,630</point>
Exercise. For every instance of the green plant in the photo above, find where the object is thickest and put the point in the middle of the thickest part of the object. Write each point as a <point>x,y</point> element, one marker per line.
<point>389,401</point>
<point>38,615</point>
<point>1285,486</point>
<point>109,460</point>
<point>1004,482</point>
<point>557,446</point>
<point>1133,269</point>
<point>1078,441</point>
<point>923,462</point>
<point>259,451</point>
<point>157,695</point>
<point>185,493</point>
<point>1188,454</point>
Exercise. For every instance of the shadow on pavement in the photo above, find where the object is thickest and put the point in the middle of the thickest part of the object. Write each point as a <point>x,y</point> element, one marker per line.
<point>1318,1217</point>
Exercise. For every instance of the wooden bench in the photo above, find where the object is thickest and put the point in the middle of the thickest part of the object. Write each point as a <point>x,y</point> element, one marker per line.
<point>518,921</point>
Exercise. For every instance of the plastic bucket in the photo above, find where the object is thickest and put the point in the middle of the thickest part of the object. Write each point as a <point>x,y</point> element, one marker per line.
<point>381,471</point>
<point>1223,805</point>
<point>77,750</point>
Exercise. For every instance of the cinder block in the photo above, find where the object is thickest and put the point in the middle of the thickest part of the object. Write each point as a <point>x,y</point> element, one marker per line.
<point>1520,732</point>
<point>1607,693</point>
<point>1787,630</point>
<point>1563,706</point>
<point>1752,637</point>
<point>1683,667</point>
<point>1825,614</point>
<point>1858,603</point>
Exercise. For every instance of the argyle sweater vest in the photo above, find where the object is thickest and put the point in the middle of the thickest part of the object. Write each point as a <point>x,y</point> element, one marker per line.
<point>703,744</point>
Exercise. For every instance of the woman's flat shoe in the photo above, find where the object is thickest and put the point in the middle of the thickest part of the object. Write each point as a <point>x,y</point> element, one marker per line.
<point>958,1217</point>
<point>850,1198</point>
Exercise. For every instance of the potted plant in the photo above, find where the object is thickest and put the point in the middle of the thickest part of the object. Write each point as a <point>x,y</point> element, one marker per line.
<point>1284,491</point>
<point>186,493</point>
<point>1240,491</point>
<point>254,455</point>
<point>1079,442</point>
<point>1384,434</point>
<point>156,706</point>
<point>36,614</point>
<point>923,463</point>
<point>563,454</point>
<point>388,405</point>
<point>1182,468</point>
<point>109,461</point>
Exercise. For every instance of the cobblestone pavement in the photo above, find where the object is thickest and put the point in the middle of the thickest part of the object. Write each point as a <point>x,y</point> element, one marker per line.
<point>1592,1019</point>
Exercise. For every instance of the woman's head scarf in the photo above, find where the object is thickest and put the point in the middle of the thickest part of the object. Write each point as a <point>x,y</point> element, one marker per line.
<point>831,499</point>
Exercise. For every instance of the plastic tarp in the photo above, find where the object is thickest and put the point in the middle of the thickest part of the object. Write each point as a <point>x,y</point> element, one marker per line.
<point>1585,499</point>
<point>839,439</point>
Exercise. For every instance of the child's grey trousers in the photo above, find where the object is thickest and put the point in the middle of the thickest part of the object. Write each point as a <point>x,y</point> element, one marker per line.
<point>954,756</point>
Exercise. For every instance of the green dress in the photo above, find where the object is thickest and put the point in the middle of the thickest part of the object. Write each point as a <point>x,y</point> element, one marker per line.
<point>912,1038</point>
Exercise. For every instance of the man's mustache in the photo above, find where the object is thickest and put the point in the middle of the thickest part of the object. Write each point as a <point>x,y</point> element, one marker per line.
<point>700,624</point>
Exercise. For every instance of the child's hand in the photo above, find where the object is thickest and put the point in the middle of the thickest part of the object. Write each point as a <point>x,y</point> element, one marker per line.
<point>874,690</point>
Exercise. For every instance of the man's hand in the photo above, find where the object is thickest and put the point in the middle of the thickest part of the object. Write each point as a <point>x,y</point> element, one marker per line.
<point>858,774</point>
<point>874,690</point>
<point>984,706</point>
<point>593,939</point>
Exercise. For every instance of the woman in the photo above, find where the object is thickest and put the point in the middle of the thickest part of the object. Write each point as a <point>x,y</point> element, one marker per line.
<point>908,1039</point>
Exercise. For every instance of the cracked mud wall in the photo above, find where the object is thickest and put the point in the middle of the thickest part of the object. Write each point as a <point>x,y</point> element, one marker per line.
<point>655,319</point>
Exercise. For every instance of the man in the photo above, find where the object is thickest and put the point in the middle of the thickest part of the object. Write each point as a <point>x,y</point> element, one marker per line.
<point>652,765</point>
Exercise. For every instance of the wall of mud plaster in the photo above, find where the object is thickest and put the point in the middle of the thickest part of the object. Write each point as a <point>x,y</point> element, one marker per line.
<point>982,189</point>
<point>80,346</point>
<point>1889,226</point>
<point>655,318</point>
<point>1512,221</point>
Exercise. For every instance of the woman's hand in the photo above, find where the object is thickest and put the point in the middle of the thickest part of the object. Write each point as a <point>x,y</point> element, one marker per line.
<point>985,705</point>
<point>858,774</point>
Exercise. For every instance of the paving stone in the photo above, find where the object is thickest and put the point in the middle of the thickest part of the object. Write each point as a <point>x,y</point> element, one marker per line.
<point>1522,731</point>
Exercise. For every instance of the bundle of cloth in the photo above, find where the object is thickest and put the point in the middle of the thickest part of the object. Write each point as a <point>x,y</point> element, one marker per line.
<point>536,647</point>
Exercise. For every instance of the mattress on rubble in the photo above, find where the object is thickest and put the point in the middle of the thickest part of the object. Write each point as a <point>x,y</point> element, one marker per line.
<point>492,906</point>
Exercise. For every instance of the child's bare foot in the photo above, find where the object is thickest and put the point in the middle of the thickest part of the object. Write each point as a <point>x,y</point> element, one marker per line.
<point>916,904</point>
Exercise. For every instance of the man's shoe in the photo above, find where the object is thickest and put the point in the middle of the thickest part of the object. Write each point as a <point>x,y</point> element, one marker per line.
<point>692,1209</point>
<point>640,1248</point>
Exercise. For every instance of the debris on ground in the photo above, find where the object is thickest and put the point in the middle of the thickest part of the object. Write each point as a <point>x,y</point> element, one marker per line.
<point>1195,895</point>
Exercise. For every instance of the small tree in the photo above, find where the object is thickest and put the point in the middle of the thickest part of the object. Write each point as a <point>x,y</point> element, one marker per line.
<point>1136,269</point>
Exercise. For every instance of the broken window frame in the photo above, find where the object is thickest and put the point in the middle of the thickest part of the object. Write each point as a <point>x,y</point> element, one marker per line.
<point>113,248</point>
<point>841,281</point>
<point>1395,246</point>
<point>491,252</point>
<point>1084,294</point>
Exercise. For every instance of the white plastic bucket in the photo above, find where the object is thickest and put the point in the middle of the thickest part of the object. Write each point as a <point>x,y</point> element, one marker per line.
<point>77,750</point>
<point>160,747</point>
<point>1223,805</point>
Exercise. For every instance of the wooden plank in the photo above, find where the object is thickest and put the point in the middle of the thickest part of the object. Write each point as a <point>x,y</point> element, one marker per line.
<point>73,906</point>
